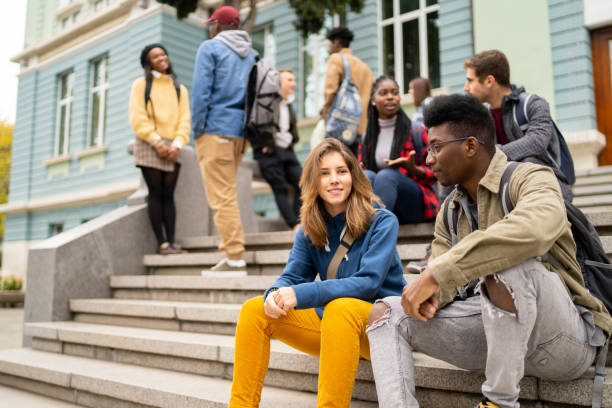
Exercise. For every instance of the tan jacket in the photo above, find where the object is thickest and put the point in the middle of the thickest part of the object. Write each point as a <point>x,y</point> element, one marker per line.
<point>537,224</point>
<point>361,76</point>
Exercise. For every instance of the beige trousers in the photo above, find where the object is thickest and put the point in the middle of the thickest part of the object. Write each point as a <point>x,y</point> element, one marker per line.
<point>219,158</point>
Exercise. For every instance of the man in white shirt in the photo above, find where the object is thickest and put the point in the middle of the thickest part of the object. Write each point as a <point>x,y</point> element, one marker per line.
<point>278,162</point>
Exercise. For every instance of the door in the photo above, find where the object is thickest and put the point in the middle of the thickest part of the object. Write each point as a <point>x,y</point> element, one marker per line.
<point>601,48</point>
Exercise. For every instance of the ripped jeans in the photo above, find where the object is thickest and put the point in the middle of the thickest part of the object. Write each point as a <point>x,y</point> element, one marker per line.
<point>551,338</point>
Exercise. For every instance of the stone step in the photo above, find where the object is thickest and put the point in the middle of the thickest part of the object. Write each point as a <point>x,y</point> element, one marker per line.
<point>596,171</point>
<point>263,262</point>
<point>600,201</point>
<point>284,239</point>
<point>213,356</point>
<point>593,180</point>
<point>12,397</point>
<point>593,190</point>
<point>272,262</point>
<point>229,289</point>
<point>214,318</point>
<point>97,383</point>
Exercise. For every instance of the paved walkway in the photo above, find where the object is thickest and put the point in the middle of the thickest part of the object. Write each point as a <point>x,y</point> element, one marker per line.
<point>11,326</point>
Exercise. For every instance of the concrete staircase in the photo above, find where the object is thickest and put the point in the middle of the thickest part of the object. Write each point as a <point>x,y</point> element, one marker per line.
<point>166,339</point>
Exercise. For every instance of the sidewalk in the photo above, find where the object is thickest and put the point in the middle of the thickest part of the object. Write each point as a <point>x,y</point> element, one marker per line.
<point>11,326</point>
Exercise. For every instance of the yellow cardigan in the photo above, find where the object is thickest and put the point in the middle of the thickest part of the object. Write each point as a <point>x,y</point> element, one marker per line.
<point>172,117</point>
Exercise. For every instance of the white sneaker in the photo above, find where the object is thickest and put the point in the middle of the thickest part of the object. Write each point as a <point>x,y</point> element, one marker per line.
<point>223,268</point>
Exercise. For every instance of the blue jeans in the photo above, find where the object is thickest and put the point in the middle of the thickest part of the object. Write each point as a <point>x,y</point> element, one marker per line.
<point>399,193</point>
<point>551,338</point>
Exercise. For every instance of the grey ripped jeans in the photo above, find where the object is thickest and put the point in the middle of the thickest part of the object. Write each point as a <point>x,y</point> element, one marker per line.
<point>551,338</point>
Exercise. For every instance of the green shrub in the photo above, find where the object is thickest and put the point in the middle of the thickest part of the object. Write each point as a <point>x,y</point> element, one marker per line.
<point>10,283</point>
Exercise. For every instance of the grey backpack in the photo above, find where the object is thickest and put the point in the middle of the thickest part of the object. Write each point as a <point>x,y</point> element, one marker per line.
<point>344,116</point>
<point>262,101</point>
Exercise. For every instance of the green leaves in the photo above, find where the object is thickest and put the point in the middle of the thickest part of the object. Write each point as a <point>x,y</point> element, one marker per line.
<point>311,13</point>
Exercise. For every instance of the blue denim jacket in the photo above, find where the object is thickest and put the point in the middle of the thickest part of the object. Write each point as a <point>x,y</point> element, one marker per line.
<point>372,271</point>
<point>219,83</point>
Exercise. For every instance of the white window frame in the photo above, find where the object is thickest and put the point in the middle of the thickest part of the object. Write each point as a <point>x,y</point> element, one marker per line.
<point>317,43</point>
<point>67,101</point>
<point>101,90</point>
<point>397,20</point>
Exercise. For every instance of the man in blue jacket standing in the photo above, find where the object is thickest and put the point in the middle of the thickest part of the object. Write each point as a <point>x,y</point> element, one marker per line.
<point>217,102</point>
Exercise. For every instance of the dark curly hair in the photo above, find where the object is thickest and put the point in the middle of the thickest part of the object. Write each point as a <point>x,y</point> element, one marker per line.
<point>465,115</point>
<point>342,34</point>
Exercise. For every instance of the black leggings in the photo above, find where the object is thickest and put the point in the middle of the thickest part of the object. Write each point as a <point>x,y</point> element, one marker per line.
<point>160,201</point>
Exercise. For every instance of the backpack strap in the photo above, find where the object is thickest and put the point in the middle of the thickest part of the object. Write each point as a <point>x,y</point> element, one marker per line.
<point>519,111</point>
<point>347,69</point>
<point>504,188</point>
<point>451,217</point>
<point>346,241</point>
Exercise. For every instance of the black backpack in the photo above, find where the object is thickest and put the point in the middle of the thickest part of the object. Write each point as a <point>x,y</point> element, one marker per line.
<point>261,108</point>
<point>590,253</point>
<point>566,164</point>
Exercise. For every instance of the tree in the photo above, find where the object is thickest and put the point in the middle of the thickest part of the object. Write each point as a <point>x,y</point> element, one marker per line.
<point>184,7</point>
<point>311,13</point>
<point>6,139</point>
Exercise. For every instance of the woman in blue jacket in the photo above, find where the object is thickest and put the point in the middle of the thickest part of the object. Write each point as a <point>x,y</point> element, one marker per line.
<point>325,318</point>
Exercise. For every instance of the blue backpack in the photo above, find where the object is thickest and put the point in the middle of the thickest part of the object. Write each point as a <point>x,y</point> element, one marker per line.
<point>521,118</point>
<point>344,116</point>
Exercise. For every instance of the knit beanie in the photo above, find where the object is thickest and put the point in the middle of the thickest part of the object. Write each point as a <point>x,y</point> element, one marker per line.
<point>145,52</point>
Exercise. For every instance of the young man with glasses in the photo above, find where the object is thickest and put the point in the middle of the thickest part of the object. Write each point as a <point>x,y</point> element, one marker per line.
<point>505,297</point>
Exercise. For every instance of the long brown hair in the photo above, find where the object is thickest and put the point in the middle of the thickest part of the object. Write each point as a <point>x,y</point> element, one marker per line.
<point>360,202</point>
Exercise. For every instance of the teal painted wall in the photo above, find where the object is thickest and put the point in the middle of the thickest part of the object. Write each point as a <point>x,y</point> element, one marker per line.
<point>365,43</point>
<point>572,66</point>
<point>527,47</point>
<point>36,117</point>
<point>34,226</point>
<point>456,42</point>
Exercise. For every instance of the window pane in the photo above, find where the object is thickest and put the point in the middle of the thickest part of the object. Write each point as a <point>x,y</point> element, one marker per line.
<point>433,49</point>
<point>408,6</point>
<point>62,130</point>
<point>64,86</point>
<point>95,119</point>
<point>258,39</point>
<point>387,9</point>
<point>388,58</point>
<point>412,67</point>
<point>309,85</point>
<point>431,2</point>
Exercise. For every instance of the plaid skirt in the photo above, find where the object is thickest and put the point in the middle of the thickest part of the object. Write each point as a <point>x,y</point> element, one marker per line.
<point>145,155</point>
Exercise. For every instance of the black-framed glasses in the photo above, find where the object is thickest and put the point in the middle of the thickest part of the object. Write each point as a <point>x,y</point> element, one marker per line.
<point>434,149</point>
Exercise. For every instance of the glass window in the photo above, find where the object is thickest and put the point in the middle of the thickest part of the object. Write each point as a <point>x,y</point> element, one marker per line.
<point>264,42</point>
<point>97,101</point>
<point>415,24</point>
<point>56,228</point>
<point>64,109</point>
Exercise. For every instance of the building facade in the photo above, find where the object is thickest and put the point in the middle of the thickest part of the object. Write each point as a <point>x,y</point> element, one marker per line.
<point>80,57</point>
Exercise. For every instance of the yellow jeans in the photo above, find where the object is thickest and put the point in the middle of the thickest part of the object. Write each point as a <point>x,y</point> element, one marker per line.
<point>219,158</point>
<point>338,339</point>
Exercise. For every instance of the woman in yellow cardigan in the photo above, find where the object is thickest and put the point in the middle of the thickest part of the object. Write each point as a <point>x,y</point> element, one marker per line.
<point>160,117</point>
